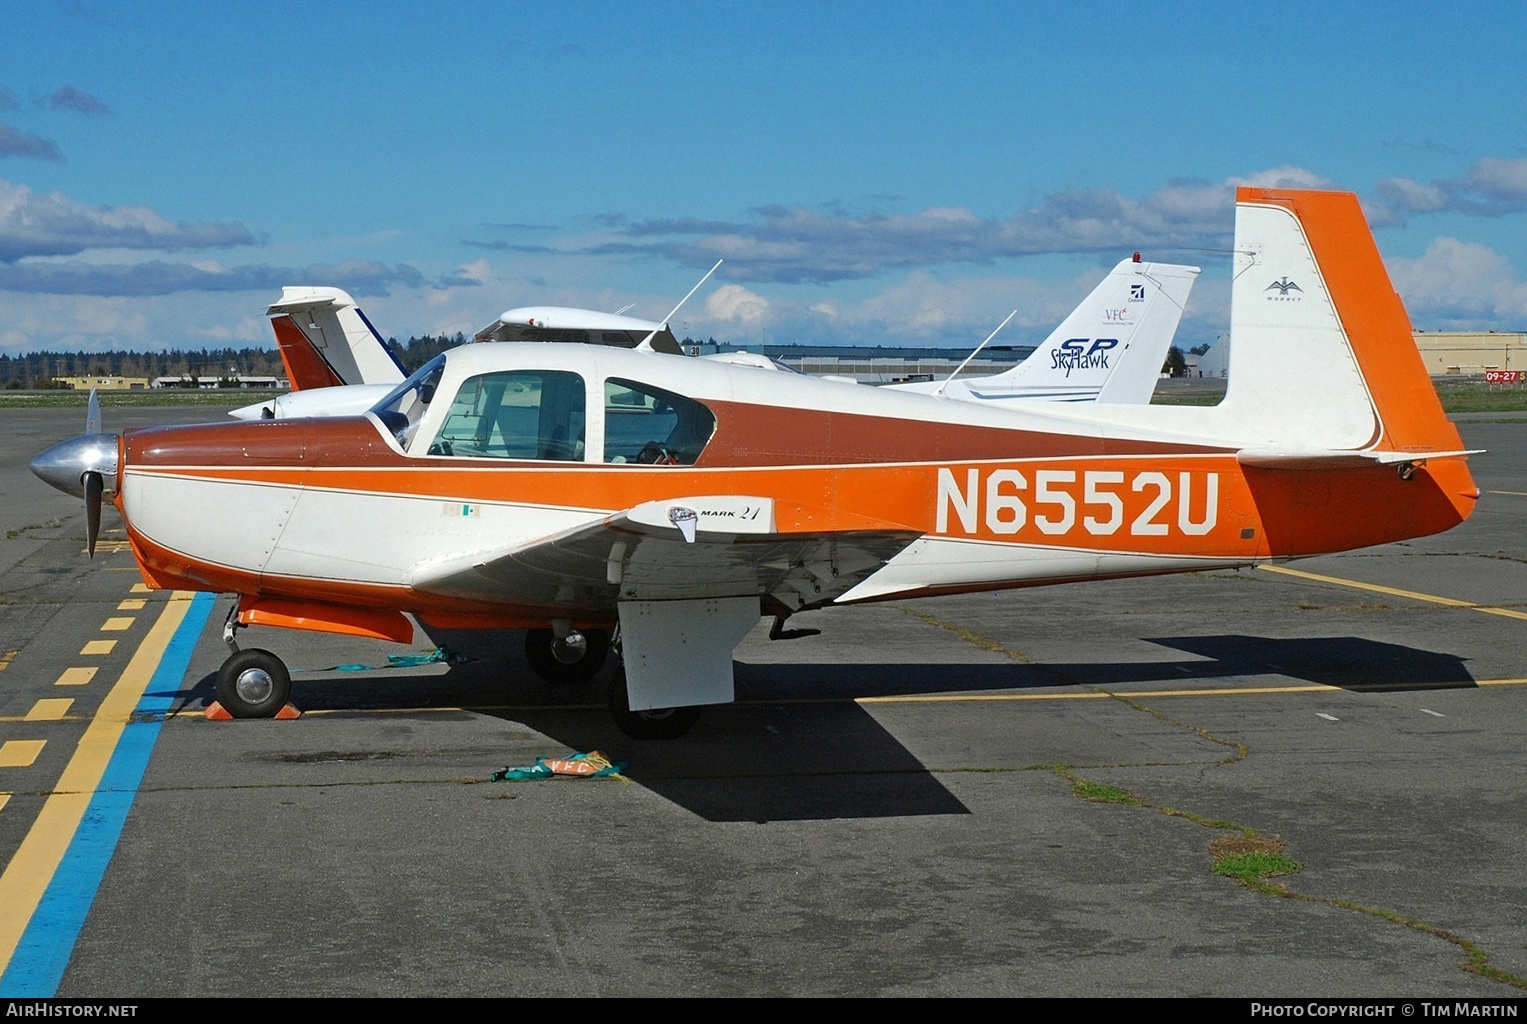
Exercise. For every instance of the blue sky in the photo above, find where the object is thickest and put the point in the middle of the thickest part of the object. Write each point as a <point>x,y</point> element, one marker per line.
<point>898,173</point>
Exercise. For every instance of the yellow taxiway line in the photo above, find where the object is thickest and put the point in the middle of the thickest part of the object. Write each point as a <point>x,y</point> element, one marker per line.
<point>1219,691</point>
<point>30,871</point>
<point>1395,592</point>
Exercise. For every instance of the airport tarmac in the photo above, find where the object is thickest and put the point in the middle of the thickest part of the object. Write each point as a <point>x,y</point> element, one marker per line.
<point>888,809</point>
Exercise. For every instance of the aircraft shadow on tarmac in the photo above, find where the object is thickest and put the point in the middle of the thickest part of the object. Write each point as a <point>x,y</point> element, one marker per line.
<point>1349,662</point>
<point>742,762</point>
<point>797,747</point>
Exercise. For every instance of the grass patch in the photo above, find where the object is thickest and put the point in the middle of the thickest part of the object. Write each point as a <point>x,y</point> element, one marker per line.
<point>1252,860</point>
<point>1477,396</point>
<point>51,524</point>
<point>1101,793</point>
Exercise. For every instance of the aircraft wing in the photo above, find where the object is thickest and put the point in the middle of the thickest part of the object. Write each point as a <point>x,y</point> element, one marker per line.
<point>689,548</point>
<point>566,323</point>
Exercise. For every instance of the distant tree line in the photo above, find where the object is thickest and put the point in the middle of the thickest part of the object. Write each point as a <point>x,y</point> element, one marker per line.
<point>38,369</point>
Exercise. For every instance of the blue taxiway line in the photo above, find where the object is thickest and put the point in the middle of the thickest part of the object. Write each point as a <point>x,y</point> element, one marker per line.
<point>37,966</point>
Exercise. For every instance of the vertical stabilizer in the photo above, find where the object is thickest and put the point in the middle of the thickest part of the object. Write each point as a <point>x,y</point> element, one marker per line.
<point>1109,349</point>
<point>1166,287</point>
<point>1112,346</point>
<point>326,341</point>
<point>1322,354</point>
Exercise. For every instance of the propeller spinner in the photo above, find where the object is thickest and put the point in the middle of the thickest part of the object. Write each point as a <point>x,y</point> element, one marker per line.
<point>85,466</point>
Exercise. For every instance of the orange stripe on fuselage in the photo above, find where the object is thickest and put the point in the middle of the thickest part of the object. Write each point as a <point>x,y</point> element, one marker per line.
<point>1145,504</point>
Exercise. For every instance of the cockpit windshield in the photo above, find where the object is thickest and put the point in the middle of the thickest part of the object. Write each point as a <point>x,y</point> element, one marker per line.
<point>402,409</point>
<point>515,414</point>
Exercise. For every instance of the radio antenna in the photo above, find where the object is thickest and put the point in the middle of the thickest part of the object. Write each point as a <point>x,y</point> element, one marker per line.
<point>646,345</point>
<point>939,392</point>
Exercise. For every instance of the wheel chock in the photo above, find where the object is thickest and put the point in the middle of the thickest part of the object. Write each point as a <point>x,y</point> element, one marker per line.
<point>215,712</point>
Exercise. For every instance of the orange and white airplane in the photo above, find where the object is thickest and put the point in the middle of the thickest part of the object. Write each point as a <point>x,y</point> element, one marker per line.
<point>578,490</point>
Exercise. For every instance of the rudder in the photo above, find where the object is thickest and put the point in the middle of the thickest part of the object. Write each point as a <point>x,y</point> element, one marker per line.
<point>1321,330</point>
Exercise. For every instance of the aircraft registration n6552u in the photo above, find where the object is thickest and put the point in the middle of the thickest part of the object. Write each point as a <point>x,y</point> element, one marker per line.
<point>577,490</point>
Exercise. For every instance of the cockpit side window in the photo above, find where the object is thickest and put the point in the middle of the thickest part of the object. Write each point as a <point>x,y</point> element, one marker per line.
<point>647,425</point>
<point>404,406</point>
<point>517,414</point>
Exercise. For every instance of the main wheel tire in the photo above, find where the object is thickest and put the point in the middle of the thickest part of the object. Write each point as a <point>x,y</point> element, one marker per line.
<point>652,724</point>
<point>253,684</point>
<point>575,659</point>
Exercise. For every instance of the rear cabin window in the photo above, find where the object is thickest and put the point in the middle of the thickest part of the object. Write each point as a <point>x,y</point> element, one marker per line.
<point>649,426</point>
<point>519,414</point>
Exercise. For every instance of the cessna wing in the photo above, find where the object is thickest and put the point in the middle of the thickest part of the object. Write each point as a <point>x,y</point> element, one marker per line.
<point>326,382</point>
<point>586,326</point>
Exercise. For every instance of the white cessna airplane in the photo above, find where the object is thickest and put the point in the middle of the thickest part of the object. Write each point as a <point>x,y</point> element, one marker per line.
<point>1110,349</point>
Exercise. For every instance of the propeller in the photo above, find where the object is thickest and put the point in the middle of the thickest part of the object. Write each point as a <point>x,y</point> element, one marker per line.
<point>93,487</point>
<point>85,466</point>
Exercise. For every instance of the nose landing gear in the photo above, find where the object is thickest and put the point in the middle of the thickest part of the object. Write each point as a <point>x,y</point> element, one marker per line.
<point>252,683</point>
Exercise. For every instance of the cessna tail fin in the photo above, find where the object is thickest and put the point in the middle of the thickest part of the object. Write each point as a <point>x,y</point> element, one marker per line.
<point>1322,355</point>
<point>325,341</point>
<point>1110,349</point>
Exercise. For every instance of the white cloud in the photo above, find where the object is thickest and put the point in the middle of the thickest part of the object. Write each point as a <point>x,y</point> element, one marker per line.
<point>1493,187</point>
<point>1283,177</point>
<point>55,225</point>
<point>1500,178</point>
<point>732,302</point>
<point>1460,284</point>
<point>794,245</point>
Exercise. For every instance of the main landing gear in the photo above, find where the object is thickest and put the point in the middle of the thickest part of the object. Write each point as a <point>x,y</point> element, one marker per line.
<point>255,683</point>
<point>576,657</point>
<point>652,724</point>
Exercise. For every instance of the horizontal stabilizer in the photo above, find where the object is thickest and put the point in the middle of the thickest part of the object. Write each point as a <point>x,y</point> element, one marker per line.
<point>1322,458</point>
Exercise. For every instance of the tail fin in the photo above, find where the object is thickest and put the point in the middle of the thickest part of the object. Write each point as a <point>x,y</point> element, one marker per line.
<point>1110,349</point>
<point>325,341</point>
<point>1322,355</point>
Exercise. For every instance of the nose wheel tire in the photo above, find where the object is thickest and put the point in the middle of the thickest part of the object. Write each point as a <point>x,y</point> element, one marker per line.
<point>253,684</point>
<point>652,724</point>
<point>576,658</point>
